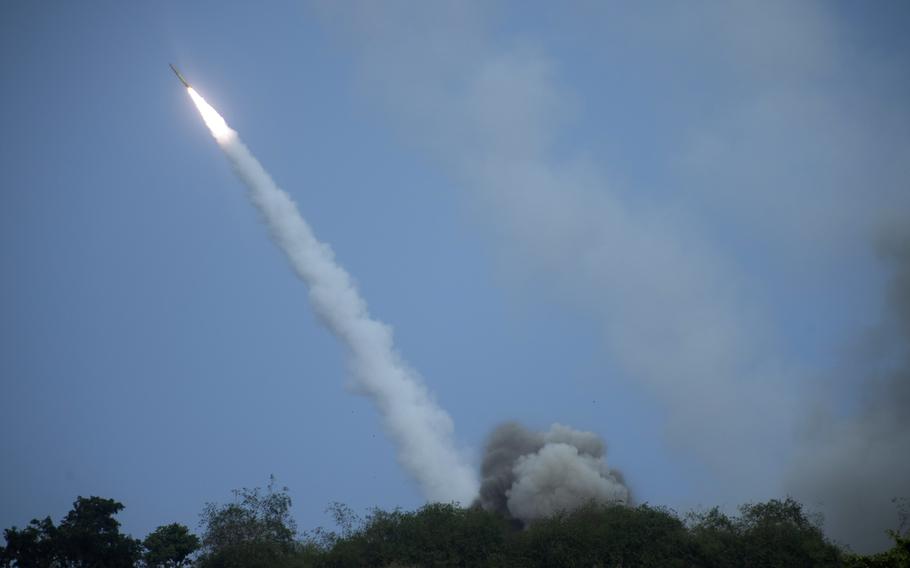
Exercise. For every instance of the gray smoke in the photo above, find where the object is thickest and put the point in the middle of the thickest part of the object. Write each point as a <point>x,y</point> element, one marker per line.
<point>855,466</point>
<point>531,475</point>
<point>800,161</point>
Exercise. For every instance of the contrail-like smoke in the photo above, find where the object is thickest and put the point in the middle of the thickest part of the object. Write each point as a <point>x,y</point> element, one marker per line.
<point>420,429</point>
<point>531,475</point>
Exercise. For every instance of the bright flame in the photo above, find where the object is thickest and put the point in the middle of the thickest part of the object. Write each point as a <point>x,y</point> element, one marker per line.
<point>220,130</point>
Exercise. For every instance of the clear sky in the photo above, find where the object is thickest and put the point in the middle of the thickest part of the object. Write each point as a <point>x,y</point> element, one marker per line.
<point>659,223</point>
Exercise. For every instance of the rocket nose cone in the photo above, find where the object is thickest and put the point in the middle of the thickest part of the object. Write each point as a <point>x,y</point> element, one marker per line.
<point>179,76</point>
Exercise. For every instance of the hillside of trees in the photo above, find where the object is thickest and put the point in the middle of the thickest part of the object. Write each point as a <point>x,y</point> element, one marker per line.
<point>256,530</point>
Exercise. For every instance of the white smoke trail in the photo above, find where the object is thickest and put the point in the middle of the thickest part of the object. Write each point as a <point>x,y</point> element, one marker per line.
<point>420,429</point>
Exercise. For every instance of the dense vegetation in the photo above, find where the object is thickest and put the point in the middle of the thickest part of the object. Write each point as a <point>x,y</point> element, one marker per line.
<point>256,530</point>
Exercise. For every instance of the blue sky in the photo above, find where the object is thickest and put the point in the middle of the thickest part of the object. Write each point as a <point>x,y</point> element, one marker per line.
<point>656,223</point>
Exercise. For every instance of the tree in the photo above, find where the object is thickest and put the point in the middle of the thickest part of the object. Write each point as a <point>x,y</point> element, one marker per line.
<point>773,533</point>
<point>254,530</point>
<point>437,534</point>
<point>607,535</point>
<point>170,546</point>
<point>90,536</point>
<point>716,536</point>
<point>779,533</point>
<point>33,546</point>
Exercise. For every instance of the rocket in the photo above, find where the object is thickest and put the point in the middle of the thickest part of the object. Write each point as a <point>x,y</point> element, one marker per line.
<point>179,76</point>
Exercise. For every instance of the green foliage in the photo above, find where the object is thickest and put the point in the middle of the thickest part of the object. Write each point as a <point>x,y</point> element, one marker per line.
<point>33,546</point>
<point>88,536</point>
<point>170,546</point>
<point>779,532</point>
<point>254,530</point>
<point>608,535</point>
<point>774,533</point>
<point>435,535</point>
<point>716,536</point>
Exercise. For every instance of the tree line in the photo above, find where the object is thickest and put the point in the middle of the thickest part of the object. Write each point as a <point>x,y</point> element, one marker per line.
<point>256,530</point>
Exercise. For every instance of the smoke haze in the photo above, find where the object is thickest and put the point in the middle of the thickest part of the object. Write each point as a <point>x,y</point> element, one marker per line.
<point>855,466</point>
<point>731,347</point>
<point>718,229</point>
<point>422,432</point>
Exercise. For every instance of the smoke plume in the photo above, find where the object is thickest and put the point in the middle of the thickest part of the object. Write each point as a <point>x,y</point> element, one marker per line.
<point>718,240</point>
<point>420,429</point>
<point>531,475</point>
<point>855,467</point>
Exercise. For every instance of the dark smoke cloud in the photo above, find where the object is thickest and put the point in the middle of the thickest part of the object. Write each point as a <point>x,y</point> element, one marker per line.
<point>530,475</point>
<point>855,467</point>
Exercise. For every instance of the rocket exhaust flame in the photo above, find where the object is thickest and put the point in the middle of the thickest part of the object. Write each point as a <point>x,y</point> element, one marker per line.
<point>421,430</point>
<point>220,130</point>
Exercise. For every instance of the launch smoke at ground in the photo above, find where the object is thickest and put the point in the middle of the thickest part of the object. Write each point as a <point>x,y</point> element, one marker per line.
<point>531,475</point>
<point>422,431</point>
